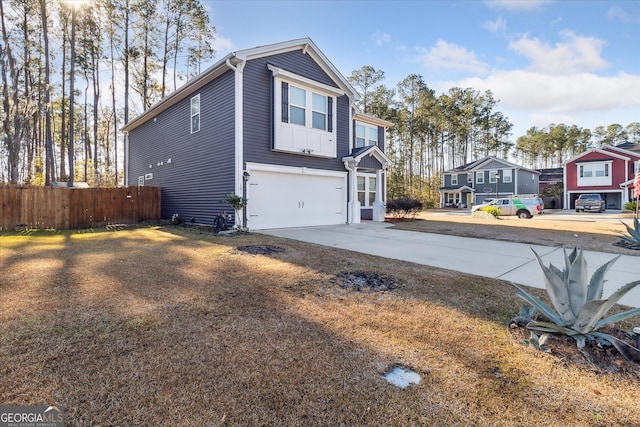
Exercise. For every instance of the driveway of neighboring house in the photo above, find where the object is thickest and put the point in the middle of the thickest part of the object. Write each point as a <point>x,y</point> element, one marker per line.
<point>508,261</point>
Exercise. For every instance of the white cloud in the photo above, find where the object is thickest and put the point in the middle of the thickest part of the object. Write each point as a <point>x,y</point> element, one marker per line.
<point>223,46</point>
<point>450,56</point>
<point>516,5</point>
<point>617,13</point>
<point>574,54</point>
<point>587,100</point>
<point>380,38</point>
<point>497,26</point>
<point>534,91</point>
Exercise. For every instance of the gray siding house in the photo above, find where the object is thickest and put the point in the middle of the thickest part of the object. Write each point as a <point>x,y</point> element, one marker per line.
<point>275,124</point>
<point>487,178</point>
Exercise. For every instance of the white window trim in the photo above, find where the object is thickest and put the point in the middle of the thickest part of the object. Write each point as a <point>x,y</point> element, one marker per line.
<point>480,177</point>
<point>308,107</point>
<point>367,191</point>
<point>492,176</point>
<point>193,98</point>
<point>367,128</point>
<point>307,135</point>
<point>454,179</point>
<point>606,180</point>
<point>297,79</point>
<point>470,177</point>
<point>507,173</point>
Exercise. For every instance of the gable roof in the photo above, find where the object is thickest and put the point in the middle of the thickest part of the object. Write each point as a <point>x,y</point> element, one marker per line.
<point>479,163</point>
<point>230,61</point>
<point>629,146</point>
<point>606,150</point>
<point>371,150</point>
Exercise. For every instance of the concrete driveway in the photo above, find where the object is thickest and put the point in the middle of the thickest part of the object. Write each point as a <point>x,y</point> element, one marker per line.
<point>489,258</point>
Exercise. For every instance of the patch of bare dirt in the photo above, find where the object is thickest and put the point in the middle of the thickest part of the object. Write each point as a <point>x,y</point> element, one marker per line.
<point>366,281</point>
<point>597,357</point>
<point>260,249</point>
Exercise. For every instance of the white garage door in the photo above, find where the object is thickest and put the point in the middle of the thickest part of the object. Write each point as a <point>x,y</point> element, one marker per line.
<point>293,199</point>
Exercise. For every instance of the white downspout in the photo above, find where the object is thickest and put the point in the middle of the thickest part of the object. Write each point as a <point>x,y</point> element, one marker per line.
<point>126,159</point>
<point>564,186</point>
<point>625,190</point>
<point>239,135</point>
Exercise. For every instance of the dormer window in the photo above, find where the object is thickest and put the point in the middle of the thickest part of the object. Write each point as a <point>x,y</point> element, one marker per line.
<point>366,135</point>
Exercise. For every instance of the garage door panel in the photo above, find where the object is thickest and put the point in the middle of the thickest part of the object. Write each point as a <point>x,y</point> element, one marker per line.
<point>277,200</point>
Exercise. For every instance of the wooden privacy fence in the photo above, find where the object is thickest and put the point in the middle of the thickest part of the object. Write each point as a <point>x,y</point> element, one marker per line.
<point>67,208</point>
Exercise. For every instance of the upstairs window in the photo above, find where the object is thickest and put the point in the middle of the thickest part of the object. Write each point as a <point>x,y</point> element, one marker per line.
<point>195,114</point>
<point>295,103</point>
<point>469,177</point>
<point>507,175</point>
<point>596,170</point>
<point>304,114</point>
<point>454,179</point>
<point>366,135</point>
<point>319,112</point>
<point>480,177</point>
<point>594,173</point>
<point>493,176</point>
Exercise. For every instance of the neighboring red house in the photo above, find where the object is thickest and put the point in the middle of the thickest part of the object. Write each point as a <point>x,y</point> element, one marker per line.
<point>608,171</point>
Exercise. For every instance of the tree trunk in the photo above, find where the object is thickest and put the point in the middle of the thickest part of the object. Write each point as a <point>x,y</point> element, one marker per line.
<point>12,122</point>
<point>48,142</point>
<point>72,70</point>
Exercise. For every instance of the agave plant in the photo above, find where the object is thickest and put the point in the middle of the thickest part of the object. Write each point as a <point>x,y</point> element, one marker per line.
<point>578,302</point>
<point>632,240</point>
<point>538,342</point>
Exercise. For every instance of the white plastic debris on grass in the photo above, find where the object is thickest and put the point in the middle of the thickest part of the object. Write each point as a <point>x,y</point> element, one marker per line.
<point>402,377</point>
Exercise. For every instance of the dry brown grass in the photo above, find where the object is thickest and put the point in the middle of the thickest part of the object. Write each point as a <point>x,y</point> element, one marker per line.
<point>171,326</point>
<point>590,232</point>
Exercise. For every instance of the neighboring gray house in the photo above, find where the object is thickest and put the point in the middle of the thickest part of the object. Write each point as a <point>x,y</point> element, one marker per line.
<point>276,124</point>
<point>487,178</point>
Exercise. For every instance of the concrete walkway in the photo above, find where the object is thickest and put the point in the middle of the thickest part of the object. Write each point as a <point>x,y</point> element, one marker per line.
<point>489,258</point>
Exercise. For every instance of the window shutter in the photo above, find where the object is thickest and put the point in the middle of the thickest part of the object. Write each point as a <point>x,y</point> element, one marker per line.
<point>285,102</point>
<point>353,125</point>
<point>330,114</point>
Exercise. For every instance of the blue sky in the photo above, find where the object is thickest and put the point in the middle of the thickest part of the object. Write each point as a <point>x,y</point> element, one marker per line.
<point>546,61</point>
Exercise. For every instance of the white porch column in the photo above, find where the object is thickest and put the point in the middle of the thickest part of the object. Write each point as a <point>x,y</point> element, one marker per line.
<point>378,205</point>
<point>353,206</point>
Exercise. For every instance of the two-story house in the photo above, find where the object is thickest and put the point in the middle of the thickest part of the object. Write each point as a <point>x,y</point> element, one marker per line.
<point>275,124</point>
<point>608,171</point>
<point>487,178</point>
